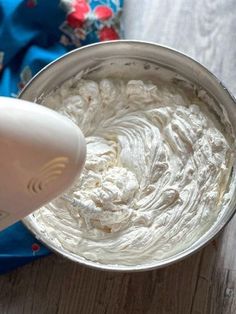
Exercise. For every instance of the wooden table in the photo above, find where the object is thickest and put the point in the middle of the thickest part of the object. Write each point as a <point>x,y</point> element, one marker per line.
<point>202,284</point>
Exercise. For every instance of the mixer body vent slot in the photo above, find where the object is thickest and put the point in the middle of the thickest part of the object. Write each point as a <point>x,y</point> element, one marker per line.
<point>46,174</point>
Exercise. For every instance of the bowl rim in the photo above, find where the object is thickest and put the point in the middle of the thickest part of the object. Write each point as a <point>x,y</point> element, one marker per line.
<point>216,229</point>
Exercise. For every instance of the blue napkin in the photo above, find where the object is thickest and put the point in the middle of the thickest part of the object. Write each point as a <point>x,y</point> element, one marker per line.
<point>32,34</point>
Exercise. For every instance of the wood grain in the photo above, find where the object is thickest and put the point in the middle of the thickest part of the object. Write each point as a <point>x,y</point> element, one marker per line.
<point>205,283</point>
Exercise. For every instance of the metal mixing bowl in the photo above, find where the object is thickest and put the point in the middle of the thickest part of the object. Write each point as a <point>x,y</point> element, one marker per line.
<point>133,60</point>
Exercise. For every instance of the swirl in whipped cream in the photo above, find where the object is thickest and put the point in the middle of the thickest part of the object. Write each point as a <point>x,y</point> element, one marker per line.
<point>156,173</point>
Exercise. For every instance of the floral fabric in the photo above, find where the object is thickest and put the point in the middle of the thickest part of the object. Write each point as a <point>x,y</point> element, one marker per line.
<point>32,34</point>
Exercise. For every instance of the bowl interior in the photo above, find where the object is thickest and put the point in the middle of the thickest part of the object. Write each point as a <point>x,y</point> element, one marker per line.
<point>135,60</point>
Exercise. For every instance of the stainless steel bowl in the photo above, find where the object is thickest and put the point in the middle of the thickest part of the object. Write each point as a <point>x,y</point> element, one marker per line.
<point>133,60</point>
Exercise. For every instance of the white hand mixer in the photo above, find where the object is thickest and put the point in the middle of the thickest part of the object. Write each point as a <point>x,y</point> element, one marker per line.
<point>41,154</point>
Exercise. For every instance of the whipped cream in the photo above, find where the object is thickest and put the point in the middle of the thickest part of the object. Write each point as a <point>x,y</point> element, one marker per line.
<point>156,176</point>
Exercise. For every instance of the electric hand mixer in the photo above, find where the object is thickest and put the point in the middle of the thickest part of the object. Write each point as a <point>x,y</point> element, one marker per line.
<point>41,154</point>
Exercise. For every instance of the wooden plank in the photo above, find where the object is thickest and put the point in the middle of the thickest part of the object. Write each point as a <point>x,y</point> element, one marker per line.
<point>203,283</point>
<point>55,285</point>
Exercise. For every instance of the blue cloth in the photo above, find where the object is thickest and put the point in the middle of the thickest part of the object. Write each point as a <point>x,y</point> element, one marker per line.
<point>32,34</point>
<point>18,247</point>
